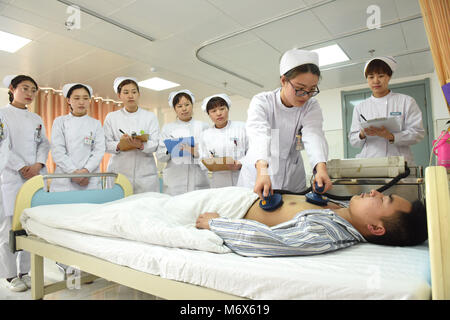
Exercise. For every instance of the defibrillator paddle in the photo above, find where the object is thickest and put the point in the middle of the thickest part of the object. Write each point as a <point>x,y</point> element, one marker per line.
<point>316,198</point>
<point>272,202</point>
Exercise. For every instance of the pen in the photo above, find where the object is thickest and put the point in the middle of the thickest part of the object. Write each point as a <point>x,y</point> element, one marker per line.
<point>121,131</point>
<point>363,117</point>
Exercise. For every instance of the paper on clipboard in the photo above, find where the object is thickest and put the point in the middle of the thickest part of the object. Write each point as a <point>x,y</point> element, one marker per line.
<point>125,146</point>
<point>391,123</point>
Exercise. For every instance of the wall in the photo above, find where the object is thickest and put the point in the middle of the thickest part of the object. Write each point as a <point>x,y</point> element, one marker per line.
<point>4,98</point>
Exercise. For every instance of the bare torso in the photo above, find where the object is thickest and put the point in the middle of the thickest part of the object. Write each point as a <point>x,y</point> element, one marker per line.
<point>292,204</point>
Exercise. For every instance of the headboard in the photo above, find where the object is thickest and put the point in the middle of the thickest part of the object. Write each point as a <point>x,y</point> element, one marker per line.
<point>32,194</point>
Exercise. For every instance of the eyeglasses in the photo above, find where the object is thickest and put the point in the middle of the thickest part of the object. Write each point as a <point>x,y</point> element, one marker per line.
<point>302,93</point>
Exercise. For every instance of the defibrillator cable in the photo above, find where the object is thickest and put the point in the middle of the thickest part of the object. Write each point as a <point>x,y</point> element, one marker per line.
<point>383,188</point>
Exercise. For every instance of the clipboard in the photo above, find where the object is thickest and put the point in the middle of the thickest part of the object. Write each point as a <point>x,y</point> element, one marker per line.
<point>125,146</point>
<point>172,144</point>
<point>390,123</point>
<point>218,164</point>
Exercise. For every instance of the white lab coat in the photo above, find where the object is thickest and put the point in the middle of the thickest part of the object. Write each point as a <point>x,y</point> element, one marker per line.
<point>77,143</point>
<point>184,174</point>
<point>27,148</point>
<point>5,148</point>
<point>271,130</point>
<point>230,141</point>
<point>138,166</point>
<point>393,104</point>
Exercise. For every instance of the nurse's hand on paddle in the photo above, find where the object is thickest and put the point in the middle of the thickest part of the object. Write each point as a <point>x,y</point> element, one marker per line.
<point>321,177</point>
<point>29,172</point>
<point>263,184</point>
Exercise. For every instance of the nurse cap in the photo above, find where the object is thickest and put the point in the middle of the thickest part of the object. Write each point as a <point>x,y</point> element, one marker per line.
<point>296,57</point>
<point>174,93</point>
<point>119,80</point>
<point>221,95</point>
<point>389,60</point>
<point>8,79</point>
<point>67,87</point>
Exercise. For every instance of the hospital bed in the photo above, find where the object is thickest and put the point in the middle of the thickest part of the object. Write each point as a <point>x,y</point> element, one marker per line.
<point>364,271</point>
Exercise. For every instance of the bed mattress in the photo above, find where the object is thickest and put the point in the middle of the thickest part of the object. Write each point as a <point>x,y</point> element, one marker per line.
<point>364,271</point>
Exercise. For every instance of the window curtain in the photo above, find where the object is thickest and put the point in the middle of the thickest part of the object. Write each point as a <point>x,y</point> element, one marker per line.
<point>50,104</point>
<point>436,18</point>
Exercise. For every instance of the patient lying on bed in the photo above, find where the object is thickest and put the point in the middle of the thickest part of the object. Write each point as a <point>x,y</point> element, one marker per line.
<point>301,228</point>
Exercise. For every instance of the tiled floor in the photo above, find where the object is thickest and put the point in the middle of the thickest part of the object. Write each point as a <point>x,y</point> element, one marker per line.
<point>100,289</point>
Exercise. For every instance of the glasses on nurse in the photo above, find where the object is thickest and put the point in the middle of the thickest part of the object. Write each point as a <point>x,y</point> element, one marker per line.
<point>302,93</point>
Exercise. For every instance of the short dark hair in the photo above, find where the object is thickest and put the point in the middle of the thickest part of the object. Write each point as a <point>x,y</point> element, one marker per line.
<point>178,97</point>
<point>216,102</point>
<point>18,80</point>
<point>304,68</point>
<point>378,66</point>
<point>404,228</point>
<point>75,87</point>
<point>124,83</point>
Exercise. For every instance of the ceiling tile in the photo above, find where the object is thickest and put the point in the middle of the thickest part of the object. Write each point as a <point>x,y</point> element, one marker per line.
<point>295,31</point>
<point>407,8</point>
<point>386,41</point>
<point>251,12</point>
<point>160,20</point>
<point>415,34</point>
<point>345,16</point>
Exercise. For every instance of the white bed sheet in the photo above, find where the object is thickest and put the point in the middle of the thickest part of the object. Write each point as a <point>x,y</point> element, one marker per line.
<point>364,271</point>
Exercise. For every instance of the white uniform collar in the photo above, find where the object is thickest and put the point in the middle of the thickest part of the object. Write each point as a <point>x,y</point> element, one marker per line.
<point>226,127</point>
<point>71,115</point>
<point>184,122</point>
<point>15,108</point>
<point>130,113</point>
<point>382,98</point>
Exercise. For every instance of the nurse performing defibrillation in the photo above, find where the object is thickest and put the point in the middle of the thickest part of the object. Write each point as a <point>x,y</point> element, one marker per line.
<point>78,141</point>
<point>379,141</point>
<point>224,144</point>
<point>132,136</point>
<point>280,124</point>
<point>178,147</point>
<point>28,151</point>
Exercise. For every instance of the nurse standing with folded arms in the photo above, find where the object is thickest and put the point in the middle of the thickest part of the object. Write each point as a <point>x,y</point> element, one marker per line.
<point>137,163</point>
<point>380,142</point>
<point>225,138</point>
<point>78,141</point>
<point>182,174</point>
<point>28,151</point>
<point>280,123</point>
